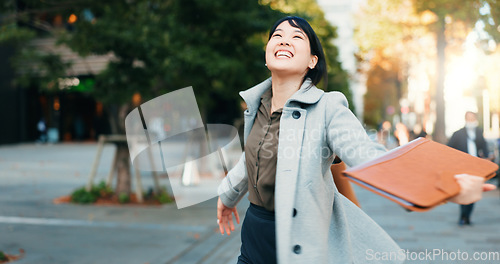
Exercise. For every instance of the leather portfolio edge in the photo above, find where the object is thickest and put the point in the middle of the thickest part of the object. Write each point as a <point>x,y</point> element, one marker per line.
<point>389,156</point>
<point>394,198</point>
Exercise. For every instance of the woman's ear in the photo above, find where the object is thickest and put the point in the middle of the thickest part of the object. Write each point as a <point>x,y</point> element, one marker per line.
<point>313,62</point>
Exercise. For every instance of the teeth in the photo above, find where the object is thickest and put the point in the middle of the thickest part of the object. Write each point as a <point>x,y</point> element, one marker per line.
<point>287,54</point>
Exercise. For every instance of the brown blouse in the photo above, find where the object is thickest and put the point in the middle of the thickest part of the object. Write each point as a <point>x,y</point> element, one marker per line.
<point>261,154</point>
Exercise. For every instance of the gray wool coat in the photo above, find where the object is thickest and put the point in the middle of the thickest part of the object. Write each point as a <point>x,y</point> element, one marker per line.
<point>326,227</point>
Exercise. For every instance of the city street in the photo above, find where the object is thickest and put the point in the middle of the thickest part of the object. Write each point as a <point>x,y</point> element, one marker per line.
<point>32,175</point>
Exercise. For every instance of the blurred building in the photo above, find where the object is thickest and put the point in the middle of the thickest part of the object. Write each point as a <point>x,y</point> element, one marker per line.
<point>69,113</point>
<point>340,13</point>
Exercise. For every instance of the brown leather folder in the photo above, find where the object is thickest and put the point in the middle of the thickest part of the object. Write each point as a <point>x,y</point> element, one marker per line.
<point>420,174</point>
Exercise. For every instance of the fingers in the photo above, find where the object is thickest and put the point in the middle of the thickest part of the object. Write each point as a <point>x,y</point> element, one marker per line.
<point>221,229</point>
<point>223,225</point>
<point>469,181</point>
<point>237,216</point>
<point>226,226</point>
<point>225,218</point>
<point>471,189</point>
<point>220,208</point>
<point>469,177</point>
<point>231,224</point>
<point>488,187</point>
<point>219,214</point>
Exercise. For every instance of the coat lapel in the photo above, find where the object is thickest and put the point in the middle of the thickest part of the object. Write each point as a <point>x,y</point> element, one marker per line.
<point>307,94</point>
<point>252,99</point>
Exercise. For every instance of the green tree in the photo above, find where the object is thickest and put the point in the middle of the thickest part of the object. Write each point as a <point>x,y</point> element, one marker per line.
<point>466,11</point>
<point>383,90</point>
<point>389,35</point>
<point>160,46</point>
<point>490,14</point>
<point>391,25</point>
<point>16,30</point>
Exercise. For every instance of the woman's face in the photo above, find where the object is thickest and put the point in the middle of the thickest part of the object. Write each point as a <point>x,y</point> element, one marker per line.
<point>288,51</point>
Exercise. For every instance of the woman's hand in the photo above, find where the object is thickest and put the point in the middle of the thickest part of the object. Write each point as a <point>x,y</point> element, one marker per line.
<point>471,189</point>
<point>225,217</point>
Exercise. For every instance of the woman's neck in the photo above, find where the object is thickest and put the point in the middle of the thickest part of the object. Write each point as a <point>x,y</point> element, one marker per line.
<point>283,89</point>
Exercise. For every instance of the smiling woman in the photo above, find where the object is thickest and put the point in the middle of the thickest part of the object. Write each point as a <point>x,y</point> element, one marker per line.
<point>293,132</point>
<point>292,37</point>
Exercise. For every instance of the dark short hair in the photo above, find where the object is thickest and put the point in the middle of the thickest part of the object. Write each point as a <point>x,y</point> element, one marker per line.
<point>319,72</point>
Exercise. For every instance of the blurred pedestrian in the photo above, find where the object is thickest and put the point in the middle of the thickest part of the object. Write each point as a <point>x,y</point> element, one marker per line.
<point>385,137</point>
<point>418,131</point>
<point>42,130</point>
<point>401,133</point>
<point>469,139</point>
<point>292,133</point>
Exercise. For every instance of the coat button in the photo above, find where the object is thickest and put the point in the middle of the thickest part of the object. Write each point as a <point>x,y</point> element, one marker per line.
<point>296,249</point>
<point>296,114</point>
<point>294,212</point>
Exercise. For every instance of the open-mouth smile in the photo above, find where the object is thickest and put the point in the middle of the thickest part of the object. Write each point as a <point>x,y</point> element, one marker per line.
<point>283,54</point>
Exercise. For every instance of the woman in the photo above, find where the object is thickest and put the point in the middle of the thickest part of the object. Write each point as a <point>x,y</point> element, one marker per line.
<point>292,133</point>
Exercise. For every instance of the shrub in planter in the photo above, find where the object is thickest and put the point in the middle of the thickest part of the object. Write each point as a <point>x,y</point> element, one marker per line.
<point>123,198</point>
<point>83,196</point>
<point>163,197</point>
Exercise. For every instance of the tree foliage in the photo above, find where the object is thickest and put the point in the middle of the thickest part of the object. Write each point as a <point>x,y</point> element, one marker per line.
<point>162,46</point>
<point>400,29</point>
<point>390,36</point>
<point>215,46</point>
<point>466,10</point>
<point>491,18</point>
<point>384,90</point>
<point>17,29</point>
<point>447,11</point>
<point>159,46</point>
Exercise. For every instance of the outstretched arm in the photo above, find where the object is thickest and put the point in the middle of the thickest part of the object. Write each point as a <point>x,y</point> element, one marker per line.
<point>347,138</point>
<point>235,185</point>
<point>232,188</point>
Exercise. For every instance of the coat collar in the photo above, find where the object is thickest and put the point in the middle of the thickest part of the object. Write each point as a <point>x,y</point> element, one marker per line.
<point>307,94</point>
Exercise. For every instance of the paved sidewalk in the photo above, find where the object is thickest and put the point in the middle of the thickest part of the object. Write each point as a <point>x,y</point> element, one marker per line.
<point>32,175</point>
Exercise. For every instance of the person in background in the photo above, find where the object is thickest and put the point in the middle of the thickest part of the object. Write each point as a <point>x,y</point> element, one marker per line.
<point>401,133</point>
<point>385,137</point>
<point>42,129</point>
<point>418,131</point>
<point>469,139</point>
